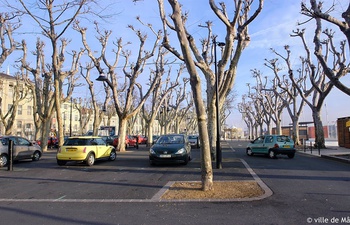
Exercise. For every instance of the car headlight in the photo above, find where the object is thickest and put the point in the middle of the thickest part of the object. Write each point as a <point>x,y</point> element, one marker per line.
<point>152,152</point>
<point>181,151</point>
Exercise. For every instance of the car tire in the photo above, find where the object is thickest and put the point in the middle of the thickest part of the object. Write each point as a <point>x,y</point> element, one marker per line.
<point>61,162</point>
<point>272,154</point>
<point>186,160</point>
<point>291,156</point>
<point>112,156</point>
<point>90,160</point>
<point>3,160</point>
<point>249,152</point>
<point>152,163</point>
<point>36,156</point>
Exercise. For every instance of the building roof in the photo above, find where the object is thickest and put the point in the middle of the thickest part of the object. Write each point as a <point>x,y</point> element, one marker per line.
<point>6,76</point>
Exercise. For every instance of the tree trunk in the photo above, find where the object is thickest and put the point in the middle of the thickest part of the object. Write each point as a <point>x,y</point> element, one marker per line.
<point>122,134</point>
<point>319,133</point>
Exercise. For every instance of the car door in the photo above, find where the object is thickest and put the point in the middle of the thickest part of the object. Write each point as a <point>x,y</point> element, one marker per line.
<point>257,145</point>
<point>19,150</point>
<point>268,143</point>
<point>101,148</point>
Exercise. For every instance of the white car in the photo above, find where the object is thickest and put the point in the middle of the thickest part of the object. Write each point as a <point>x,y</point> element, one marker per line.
<point>194,141</point>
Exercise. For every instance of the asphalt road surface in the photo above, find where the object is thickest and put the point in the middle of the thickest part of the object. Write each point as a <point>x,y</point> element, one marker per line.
<point>306,190</point>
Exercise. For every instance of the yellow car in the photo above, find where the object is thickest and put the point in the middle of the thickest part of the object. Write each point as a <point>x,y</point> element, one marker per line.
<point>86,149</point>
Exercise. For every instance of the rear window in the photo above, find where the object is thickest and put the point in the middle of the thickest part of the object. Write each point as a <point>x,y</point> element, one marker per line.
<point>77,142</point>
<point>283,139</point>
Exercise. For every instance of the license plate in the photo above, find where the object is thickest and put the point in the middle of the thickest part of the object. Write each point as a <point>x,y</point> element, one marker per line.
<point>286,146</point>
<point>165,156</point>
<point>71,149</point>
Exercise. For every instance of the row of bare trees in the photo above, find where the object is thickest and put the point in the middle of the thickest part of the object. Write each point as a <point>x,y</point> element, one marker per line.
<point>54,84</point>
<point>291,88</point>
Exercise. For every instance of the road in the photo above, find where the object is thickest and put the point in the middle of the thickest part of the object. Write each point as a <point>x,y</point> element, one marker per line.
<point>305,189</point>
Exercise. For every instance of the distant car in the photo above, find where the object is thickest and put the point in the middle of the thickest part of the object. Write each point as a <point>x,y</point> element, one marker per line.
<point>22,149</point>
<point>129,141</point>
<point>170,148</point>
<point>272,145</point>
<point>141,139</point>
<point>194,141</point>
<point>108,139</point>
<point>85,149</point>
<point>51,142</point>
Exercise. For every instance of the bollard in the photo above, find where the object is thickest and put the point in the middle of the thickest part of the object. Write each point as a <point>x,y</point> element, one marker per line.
<point>311,146</point>
<point>10,156</point>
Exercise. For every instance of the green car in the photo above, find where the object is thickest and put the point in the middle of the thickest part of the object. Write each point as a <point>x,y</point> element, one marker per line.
<point>170,148</point>
<point>272,145</point>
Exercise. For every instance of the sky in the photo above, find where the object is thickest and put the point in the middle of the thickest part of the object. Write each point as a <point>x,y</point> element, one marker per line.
<point>271,29</point>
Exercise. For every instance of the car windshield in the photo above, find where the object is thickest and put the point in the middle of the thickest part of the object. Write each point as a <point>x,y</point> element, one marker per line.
<point>192,137</point>
<point>173,139</point>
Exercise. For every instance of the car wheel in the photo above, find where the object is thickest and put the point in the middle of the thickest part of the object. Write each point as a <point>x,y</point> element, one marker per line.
<point>272,154</point>
<point>3,160</point>
<point>36,156</point>
<point>112,156</point>
<point>186,160</point>
<point>152,163</point>
<point>90,159</point>
<point>61,162</point>
<point>249,152</point>
<point>291,156</point>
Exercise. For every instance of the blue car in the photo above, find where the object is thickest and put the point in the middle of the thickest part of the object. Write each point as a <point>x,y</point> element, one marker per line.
<point>272,145</point>
<point>170,148</point>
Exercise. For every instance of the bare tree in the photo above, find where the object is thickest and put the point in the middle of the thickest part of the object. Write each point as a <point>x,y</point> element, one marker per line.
<point>333,61</point>
<point>319,89</point>
<point>8,24</point>
<point>98,111</point>
<point>294,105</point>
<point>159,94</point>
<point>237,39</point>
<point>131,73</point>
<point>19,92</point>
<point>57,18</point>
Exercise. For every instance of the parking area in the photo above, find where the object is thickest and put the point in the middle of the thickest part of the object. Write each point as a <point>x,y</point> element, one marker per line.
<point>130,177</point>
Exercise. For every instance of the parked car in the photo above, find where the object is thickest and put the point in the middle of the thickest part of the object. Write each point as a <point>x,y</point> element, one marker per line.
<point>108,139</point>
<point>171,148</point>
<point>22,149</point>
<point>194,141</point>
<point>85,149</point>
<point>129,141</point>
<point>51,142</point>
<point>272,145</point>
<point>141,139</point>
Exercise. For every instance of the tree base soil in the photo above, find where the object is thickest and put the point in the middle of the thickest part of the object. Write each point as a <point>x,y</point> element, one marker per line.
<point>222,190</point>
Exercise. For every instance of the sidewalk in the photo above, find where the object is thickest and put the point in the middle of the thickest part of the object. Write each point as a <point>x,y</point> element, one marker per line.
<point>333,151</point>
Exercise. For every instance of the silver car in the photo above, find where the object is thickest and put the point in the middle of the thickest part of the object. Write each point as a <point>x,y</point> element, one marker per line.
<point>22,149</point>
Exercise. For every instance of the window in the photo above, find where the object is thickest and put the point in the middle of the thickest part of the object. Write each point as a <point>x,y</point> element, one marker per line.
<point>19,111</point>
<point>19,124</point>
<point>29,110</point>
<point>10,92</point>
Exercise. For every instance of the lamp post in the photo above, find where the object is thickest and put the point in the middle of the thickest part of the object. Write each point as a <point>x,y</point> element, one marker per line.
<point>218,148</point>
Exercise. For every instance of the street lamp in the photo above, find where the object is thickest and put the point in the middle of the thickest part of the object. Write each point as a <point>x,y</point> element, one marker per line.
<point>218,149</point>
